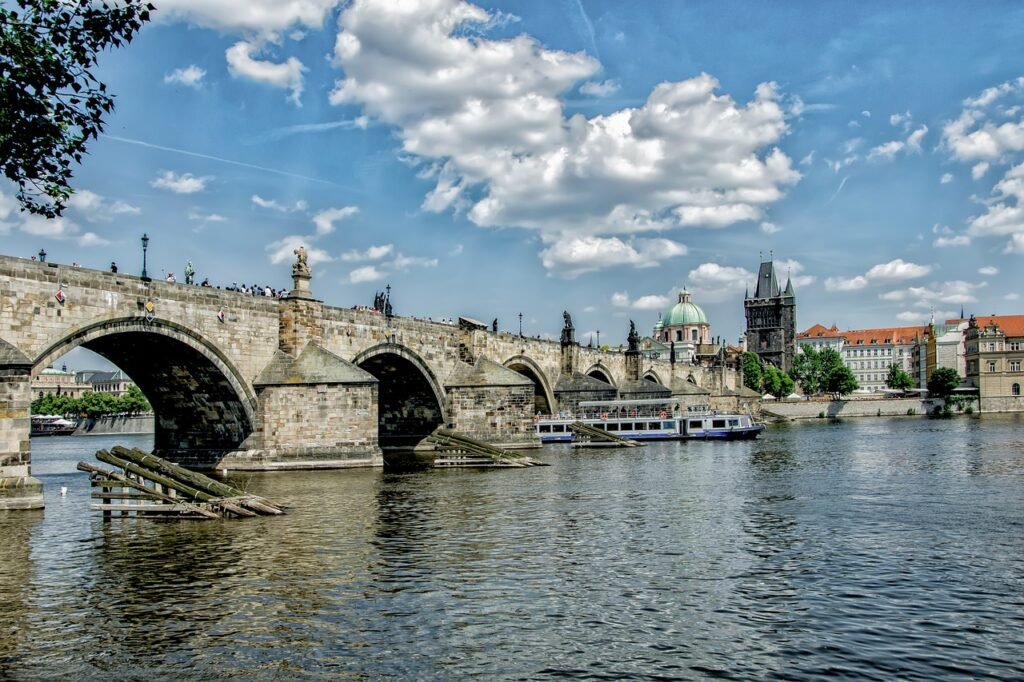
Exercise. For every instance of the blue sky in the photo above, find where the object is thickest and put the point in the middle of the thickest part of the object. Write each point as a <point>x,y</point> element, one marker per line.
<point>496,158</point>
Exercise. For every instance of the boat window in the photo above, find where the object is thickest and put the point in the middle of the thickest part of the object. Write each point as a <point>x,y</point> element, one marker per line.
<point>654,425</point>
<point>734,422</point>
<point>696,423</point>
<point>614,426</point>
<point>602,426</point>
<point>545,428</point>
<point>558,428</point>
<point>668,425</point>
<point>718,423</point>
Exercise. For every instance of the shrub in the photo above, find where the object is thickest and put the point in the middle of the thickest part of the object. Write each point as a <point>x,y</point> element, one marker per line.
<point>821,415</point>
<point>968,410</point>
<point>911,412</point>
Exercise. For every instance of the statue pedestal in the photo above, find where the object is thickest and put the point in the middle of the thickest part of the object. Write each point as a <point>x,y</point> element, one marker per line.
<point>300,283</point>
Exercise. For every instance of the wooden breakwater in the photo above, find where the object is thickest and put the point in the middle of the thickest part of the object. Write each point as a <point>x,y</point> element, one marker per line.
<point>148,486</point>
<point>453,449</point>
<point>591,436</point>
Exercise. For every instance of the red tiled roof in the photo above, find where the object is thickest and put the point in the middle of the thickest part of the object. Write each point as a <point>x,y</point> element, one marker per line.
<point>1011,325</point>
<point>819,331</point>
<point>883,335</point>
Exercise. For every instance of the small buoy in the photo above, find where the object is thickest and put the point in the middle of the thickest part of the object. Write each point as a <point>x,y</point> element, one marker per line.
<point>63,490</point>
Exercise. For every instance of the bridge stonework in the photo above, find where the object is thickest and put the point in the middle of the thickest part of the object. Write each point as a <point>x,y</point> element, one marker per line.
<point>245,382</point>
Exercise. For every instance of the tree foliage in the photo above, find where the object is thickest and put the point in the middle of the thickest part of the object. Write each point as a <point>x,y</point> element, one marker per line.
<point>806,370</point>
<point>94,404</point>
<point>52,105</point>
<point>777,382</point>
<point>898,379</point>
<point>942,382</point>
<point>833,375</point>
<point>753,371</point>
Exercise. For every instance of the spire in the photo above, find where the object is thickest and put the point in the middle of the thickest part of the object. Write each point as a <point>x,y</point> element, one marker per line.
<point>789,287</point>
<point>961,312</point>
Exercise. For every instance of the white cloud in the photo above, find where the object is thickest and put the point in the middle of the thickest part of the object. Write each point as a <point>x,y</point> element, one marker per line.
<point>249,16</point>
<point>94,208</point>
<point>602,89</point>
<point>793,268</point>
<point>55,228</point>
<point>649,302</point>
<point>922,317</point>
<point>1004,215</point>
<point>915,138</point>
<point>713,283</point>
<point>978,170</point>
<point>845,284</point>
<point>990,95</point>
<point>206,217</point>
<point>92,239</point>
<point>180,184</point>
<point>191,76</point>
<point>287,74</point>
<point>456,251</point>
<point>946,179</point>
<point>956,240</point>
<point>574,256</point>
<point>1015,244</point>
<point>808,159</point>
<point>988,271</point>
<point>903,119</point>
<point>367,273</point>
<point>274,205</point>
<point>405,262</point>
<point>886,151</point>
<point>972,137</point>
<point>283,250</point>
<point>324,220</point>
<point>1013,296</point>
<point>486,116</point>
<point>372,253</point>
<point>950,293</point>
<point>896,270</point>
<point>770,228</point>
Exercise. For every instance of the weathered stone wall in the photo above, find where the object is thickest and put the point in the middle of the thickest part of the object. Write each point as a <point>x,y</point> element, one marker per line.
<point>1003,403</point>
<point>15,399</point>
<point>868,407</point>
<point>313,426</point>
<point>116,424</point>
<point>500,414</point>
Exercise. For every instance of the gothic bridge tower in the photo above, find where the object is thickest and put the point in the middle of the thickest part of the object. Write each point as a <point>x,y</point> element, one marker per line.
<point>771,319</point>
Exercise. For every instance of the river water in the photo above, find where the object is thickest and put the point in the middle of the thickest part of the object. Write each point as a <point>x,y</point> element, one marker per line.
<point>875,549</point>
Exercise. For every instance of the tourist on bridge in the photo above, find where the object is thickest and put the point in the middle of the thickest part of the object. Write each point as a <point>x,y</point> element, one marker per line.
<point>113,266</point>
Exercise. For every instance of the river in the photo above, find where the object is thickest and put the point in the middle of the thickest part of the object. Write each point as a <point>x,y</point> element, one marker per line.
<point>875,549</point>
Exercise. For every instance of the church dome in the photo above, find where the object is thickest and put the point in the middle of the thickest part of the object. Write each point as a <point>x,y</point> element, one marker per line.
<point>684,312</point>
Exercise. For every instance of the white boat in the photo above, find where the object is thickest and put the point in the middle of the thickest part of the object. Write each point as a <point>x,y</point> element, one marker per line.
<point>52,425</point>
<point>658,419</point>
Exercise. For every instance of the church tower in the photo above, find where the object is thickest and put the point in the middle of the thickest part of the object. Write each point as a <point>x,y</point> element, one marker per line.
<point>771,319</point>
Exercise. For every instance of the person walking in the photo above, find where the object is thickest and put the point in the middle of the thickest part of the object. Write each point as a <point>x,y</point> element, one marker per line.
<point>113,266</point>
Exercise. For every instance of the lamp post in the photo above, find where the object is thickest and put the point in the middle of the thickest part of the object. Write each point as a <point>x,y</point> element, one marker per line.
<point>145,247</point>
<point>42,255</point>
<point>599,339</point>
<point>520,325</point>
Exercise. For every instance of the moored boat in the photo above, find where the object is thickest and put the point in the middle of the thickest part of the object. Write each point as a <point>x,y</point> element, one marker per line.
<point>52,425</point>
<point>657,419</point>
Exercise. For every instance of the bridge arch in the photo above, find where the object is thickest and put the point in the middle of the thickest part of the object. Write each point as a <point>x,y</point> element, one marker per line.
<point>601,373</point>
<point>543,396</point>
<point>411,401</point>
<point>652,376</point>
<point>203,406</point>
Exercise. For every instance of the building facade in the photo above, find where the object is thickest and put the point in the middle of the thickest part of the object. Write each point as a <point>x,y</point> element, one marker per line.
<point>685,325</point>
<point>994,358</point>
<point>868,352</point>
<point>771,319</point>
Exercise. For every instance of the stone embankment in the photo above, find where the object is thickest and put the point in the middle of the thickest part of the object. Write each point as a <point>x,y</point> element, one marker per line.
<point>142,423</point>
<point>854,407</point>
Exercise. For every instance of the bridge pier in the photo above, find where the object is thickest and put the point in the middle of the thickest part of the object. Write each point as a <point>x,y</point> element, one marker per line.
<point>492,403</point>
<point>18,489</point>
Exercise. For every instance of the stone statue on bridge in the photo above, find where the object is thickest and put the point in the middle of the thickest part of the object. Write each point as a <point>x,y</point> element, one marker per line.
<point>301,266</point>
<point>190,273</point>
<point>568,331</point>
<point>633,339</point>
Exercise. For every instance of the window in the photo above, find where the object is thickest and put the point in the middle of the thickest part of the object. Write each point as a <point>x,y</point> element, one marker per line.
<point>718,423</point>
<point>693,335</point>
<point>991,346</point>
<point>679,335</point>
<point>1015,389</point>
<point>696,423</point>
<point>1014,365</point>
<point>1015,345</point>
<point>544,428</point>
<point>991,365</point>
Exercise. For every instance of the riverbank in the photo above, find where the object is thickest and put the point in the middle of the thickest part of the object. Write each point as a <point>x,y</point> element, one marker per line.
<point>113,424</point>
<point>856,407</point>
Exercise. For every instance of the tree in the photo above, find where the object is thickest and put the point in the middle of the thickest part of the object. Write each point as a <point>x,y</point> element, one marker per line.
<point>898,379</point>
<point>52,105</point>
<point>777,382</point>
<point>841,382</point>
<point>133,402</point>
<point>753,371</point>
<point>806,369</point>
<point>942,382</point>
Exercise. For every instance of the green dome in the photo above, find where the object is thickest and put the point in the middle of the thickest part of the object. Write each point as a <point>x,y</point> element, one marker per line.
<point>684,313</point>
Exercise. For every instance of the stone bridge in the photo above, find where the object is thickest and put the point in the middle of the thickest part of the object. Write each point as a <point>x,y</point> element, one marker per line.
<point>247,382</point>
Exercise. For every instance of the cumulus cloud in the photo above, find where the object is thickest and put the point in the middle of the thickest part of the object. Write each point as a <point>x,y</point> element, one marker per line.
<point>92,239</point>
<point>770,228</point>
<point>94,208</point>
<point>249,16</point>
<point>621,299</point>
<point>901,120</point>
<point>952,292</point>
<point>793,268</point>
<point>283,250</point>
<point>915,138</point>
<point>946,179</point>
<point>924,316</point>
<point>372,253</point>
<point>713,283</point>
<point>367,273</point>
<point>974,137</point>
<point>191,76</point>
<point>180,184</point>
<point>978,170</point>
<point>402,262</point>
<point>206,217</point>
<point>885,152</point>
<point>894,270</point>
<point>274,205</point>
<point>485,116</point>
<point>988,271</point>
<point>1013,296</point>
<point>573,256</point>
<point>602,89</point>
<point>54,228</point>
<point>1004,215</point>
<point>287,74</point>
<point>324,220</point>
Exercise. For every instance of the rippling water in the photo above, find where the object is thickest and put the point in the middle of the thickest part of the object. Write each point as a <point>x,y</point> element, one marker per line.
<point>875,549</point>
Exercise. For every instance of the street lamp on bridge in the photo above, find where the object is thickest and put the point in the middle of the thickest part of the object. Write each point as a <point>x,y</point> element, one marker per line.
<point>520,325</point>
<point>145,247</point>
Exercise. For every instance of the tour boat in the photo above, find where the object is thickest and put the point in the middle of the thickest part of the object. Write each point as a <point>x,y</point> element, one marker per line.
<point>52,425</point>
<point>648,420</point>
